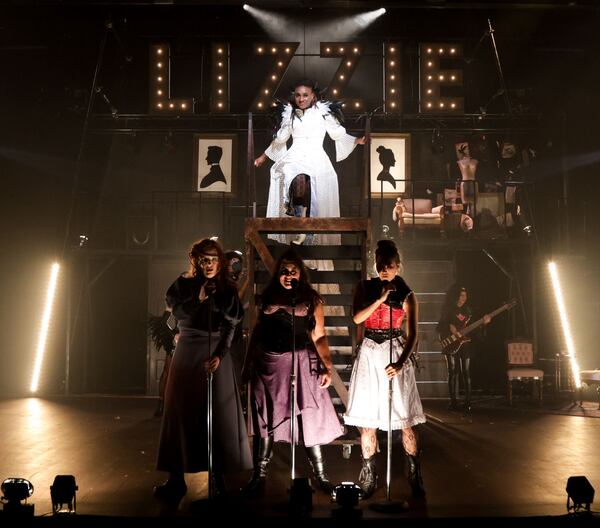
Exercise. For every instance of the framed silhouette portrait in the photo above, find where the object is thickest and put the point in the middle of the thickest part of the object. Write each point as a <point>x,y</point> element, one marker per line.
<point>390,164</point>
<point>214,163</point>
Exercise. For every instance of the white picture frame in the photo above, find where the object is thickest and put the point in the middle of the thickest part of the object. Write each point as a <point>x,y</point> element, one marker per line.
<point>214,163</point>
<point>390,164</point>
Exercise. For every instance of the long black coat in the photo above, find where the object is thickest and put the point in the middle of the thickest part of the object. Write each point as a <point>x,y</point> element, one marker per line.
<point>183,439</point>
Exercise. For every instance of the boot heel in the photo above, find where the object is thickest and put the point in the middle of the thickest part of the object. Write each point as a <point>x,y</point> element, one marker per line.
<point>261,466</point>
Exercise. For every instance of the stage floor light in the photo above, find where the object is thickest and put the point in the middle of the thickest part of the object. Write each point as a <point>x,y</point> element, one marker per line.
<point>347,495</point>
<point>62,493</point>
<point>580,494</point>
<point>14,491</point>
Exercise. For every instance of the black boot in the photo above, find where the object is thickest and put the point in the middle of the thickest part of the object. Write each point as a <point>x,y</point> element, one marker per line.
<point>263,450</point>
<point>467,404</point>
<point>315,456</point>
<point>414,476</point>
<point>367,479</point>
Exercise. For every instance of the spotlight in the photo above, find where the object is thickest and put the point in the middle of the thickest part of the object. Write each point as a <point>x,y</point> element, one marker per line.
<point>83,240</point>
<point>580,493</point>
<point>347,495</point>
<point>15,490</point>
<point>62,493</point>
<point>301,496</point>
<point>246,7</point>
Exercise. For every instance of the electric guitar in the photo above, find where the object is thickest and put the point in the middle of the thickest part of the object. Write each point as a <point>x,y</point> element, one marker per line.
<point>451,343</point>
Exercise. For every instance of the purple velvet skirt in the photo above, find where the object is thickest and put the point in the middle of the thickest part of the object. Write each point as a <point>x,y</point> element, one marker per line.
<point>316,419</point>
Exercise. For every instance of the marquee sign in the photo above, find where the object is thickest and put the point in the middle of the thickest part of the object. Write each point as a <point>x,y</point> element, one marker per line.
<point>440,76</point>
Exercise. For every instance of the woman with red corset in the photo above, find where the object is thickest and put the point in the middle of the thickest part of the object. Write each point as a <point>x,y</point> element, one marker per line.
<point>368,394</point>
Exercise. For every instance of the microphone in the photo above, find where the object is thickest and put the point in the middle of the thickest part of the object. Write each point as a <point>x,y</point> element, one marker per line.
<point>294,284</point>
<point>392,298</point>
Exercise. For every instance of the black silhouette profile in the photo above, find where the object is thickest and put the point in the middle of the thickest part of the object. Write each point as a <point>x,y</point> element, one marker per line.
<point>387,160</point>
<point>213,157</point>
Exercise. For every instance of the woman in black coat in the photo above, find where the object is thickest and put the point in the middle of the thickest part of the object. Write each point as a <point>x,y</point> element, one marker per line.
<point>208,309</point>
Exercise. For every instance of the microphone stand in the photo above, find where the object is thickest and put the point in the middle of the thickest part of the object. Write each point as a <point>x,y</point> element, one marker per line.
<point>293,389</point>
<point>209,415</point>
<point>388,505</point>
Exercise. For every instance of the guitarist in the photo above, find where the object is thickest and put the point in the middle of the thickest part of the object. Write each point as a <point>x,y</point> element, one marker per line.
<point>456,315</point>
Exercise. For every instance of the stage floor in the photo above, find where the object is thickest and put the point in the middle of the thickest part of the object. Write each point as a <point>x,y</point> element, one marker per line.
<point>492,462</point>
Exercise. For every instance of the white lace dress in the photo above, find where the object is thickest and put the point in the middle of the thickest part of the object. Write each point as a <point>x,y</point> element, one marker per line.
<point>307,156</point>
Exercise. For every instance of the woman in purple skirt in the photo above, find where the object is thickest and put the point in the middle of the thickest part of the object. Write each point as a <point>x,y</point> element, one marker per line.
<point>268,366</point>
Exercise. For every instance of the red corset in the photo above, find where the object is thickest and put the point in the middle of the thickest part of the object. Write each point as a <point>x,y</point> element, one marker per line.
<point>380,318</point>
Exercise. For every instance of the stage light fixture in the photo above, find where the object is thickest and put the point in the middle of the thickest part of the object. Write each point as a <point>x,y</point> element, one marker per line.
<point>14,491</point>
<point>44,327</point>
<point>564,320</point>
<point>63,494</point>
<point>580,494</point>
<point>246,7</point>
<point>347,494</point>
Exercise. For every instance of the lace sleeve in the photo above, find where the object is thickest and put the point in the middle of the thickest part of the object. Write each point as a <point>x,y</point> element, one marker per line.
<point>344,143</point>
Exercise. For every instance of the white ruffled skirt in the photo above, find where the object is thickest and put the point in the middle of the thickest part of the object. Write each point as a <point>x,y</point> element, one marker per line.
<point>368,393</point>
<point>305,157</point>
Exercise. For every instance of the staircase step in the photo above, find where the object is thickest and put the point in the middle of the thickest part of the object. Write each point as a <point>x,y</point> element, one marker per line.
<point>432,389</point>
<point>429,276</point>
<point>318,277</point>
<point>429,311</point>
<point>343,299</point>
<point>339,340</point>
<point>346,252</point>
<point>339,320</point>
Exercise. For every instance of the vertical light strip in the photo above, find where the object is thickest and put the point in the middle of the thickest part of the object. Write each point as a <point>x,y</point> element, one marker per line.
<point>41,346</point>
<point>564,320</point>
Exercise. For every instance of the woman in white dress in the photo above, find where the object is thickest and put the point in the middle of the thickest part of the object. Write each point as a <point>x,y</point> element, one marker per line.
<point>303,180</point>
<point>376,301</point>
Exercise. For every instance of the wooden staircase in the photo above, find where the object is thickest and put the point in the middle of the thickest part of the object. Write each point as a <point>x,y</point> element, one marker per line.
<point>430,279</point>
